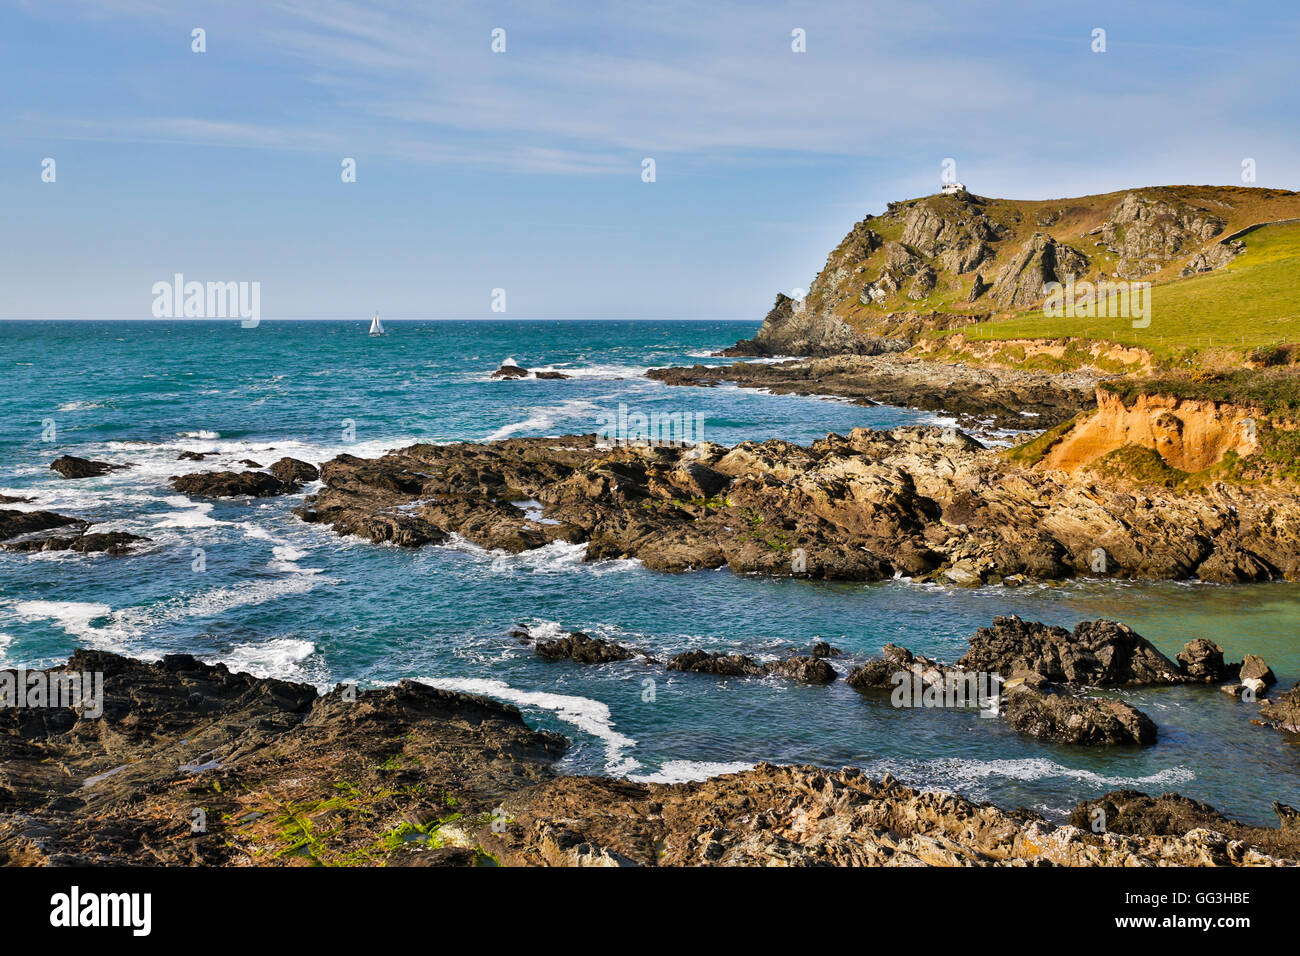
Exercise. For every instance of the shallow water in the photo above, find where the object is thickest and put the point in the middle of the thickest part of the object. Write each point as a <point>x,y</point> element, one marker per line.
<point>282,598</point>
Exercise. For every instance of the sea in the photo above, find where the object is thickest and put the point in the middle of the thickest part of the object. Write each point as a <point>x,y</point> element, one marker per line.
<point>247,583</point>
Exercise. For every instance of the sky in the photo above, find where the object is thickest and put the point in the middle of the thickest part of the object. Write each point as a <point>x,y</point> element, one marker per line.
<point>522,170</point>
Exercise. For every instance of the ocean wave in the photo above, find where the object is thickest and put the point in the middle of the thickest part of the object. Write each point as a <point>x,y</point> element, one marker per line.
<point>590,716</point>
<point>544,417</point>
<point>283,658</point>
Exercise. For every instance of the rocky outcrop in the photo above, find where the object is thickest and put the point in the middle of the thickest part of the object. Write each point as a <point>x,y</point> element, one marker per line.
<point>1040,260</point>
<point>924,502</point>
<point>510,369</point>
<point>980,398</point>
<point>806,670</point>
<point>1064,718</point>
<point>1201,660</point>
<point>805,816</point>
<point>1131,813</point>
<point>113,543</point>
<point>792,329</point>
<point>14,523</point>
<point>70,466</point>
<point>192,765</point>
<point>1027,701</point>
<point>583,648</point>
<point>1095,654</point>
<point>294,473</point>
<point>1148,233</point>
<point>1282,711</point>
<point>273,773</point>
<point>230,484</point>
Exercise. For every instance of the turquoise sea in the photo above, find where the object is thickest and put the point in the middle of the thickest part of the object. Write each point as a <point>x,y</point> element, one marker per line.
<point>277,597</point>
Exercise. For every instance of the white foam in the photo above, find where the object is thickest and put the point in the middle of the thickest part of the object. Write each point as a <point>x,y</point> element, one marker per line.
<point>545,417</point>
<point>281,658</point>
<point>960,771</point>
<point>684,771</point>
<point>590,716</point>
<point>75,618</point>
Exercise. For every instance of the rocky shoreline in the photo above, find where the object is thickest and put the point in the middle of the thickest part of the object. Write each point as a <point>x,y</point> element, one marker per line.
<point>190,764</point>
<point>927,503</point>
<point>979,398</point>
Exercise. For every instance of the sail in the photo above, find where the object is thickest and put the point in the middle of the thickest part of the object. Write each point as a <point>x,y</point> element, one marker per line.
<point>376,327</point>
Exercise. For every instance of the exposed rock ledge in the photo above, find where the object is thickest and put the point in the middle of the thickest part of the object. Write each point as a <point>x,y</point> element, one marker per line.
<point>1000,398</point>
<point>924,502</point>
<point>193,765</point>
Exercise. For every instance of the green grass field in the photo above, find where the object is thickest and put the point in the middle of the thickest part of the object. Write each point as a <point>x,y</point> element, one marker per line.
<point>1254,301</point>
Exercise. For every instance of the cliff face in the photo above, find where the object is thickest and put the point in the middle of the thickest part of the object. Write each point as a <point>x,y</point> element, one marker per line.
<point>1188,435</point>
<point>943,259</point>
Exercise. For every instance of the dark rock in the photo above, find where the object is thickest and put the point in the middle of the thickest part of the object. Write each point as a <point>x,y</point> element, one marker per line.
<point>115,543</point>
<point>294,473</point>
<point>583,648</point>
<point>229,484</point>
<point>15,523</point>
<point>192,456</point>
<point>1132,813</point>
<point>720,665</point>
<point>1282,711</point>
<point>1202,660</point>
<point>805,670</point>
<point>823,649</point>
<point>1097,653</point>
<point>1075,720</point>
<point>71,467</point>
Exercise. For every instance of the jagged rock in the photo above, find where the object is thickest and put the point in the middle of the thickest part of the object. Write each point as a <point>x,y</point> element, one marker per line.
<point>978,288</point>
<point>1040,260</point>
<point>805,670</point>
<point>823,649</point>
<point>1097,653</point>
<point>192,456</point>
<point>1282,711</point>
<point>229,484</point>
<point>115,543</point>
<point>70,466</point>
<point>719,665</point>
<point>1147,233</point>
<point>1075,720</point>
<point>1131,813</point>
<point>1202,660</point>
<point>583,648</point>
<point>294,473</point>
<point>1215,257</point>
<point>1253,668</point>
<point>15,523</point>
<point>1006,399</point>
<point>264,759</point>
<point>913,501</point>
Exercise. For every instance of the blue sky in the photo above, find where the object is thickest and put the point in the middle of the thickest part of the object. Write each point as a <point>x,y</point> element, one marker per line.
<point>522,170</point>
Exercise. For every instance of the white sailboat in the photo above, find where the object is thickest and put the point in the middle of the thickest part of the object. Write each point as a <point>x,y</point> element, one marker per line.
<point>376,327</point>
